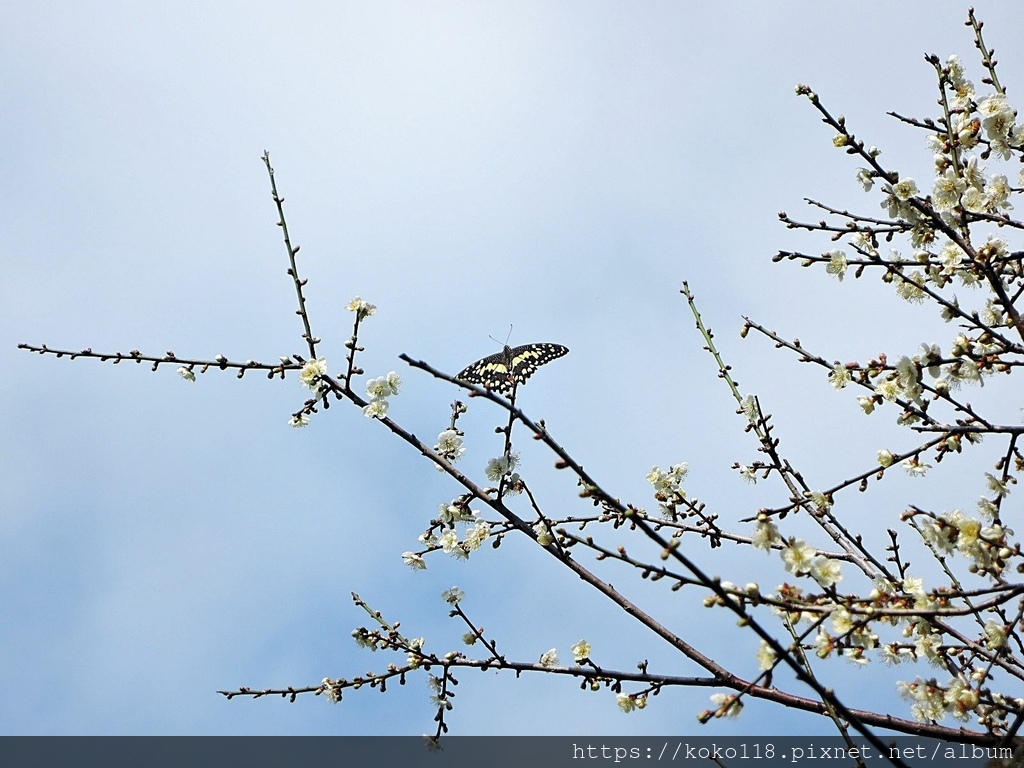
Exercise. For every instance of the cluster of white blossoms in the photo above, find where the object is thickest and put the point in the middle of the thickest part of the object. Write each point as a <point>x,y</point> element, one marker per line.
<point>932,702</point>
<point>854,636</point>
<point>903,381</point>
<point>309,377</point>
<point>974,136</point>
<point>985,546</point>
<point>477,531</point>
<point>996,113</point>
<point>960,180</point>
<point>580,652</point>
<point>437,697</point>
<point>544,534</point>
<point>311,372</point>
<point>363,309</point>
<point>668,489</point>
<point>379,390</point>
<point>858,633</point>
<point>415,657</point>
<point>628,703</point>
<point>800,559</point>
<point>366,639</point>
<point>503,466</point>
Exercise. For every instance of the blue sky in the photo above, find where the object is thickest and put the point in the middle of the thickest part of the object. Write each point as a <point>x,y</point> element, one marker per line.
<point>559,167</point>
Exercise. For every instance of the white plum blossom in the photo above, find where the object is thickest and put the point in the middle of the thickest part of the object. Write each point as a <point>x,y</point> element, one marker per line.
<point>992,314</point>
<point>837,264</point>
<point>973,174</point>
<point>331,689</point>
<point>826,571</point>
<point>414,659</point>
<point>362,308</point>
<point>995,105</point>
<point>998,194</point>
<point>929,646</point>
<point>748,406</point>
<point>929,700</point>
<point>996,486</point>
<point>449,542</point>
<point>893,654</point>
<point>929,359</point>
<point>477,535</point>
<point>501,466</point>
<point>955,68</point>
<point>951,256</point>
<point>960,699</point>
<point>668,482</point>
<point>544,537</point>
<point>995,634</point>
<point>889,389</point>
<point>863,243</point>
<point>311,371</point>
<point>453,595</point>
<point>987,508</point>
<point>765,535</point>
<point>939,534</point>
<point>798,556</point>
<point>947,190</point>
<point>765,657</point>
<point>729,703</point>
<point>905,189</point>
<point>823,644</point>
<point>380,387</point>
<point>910,288</point>
<point>839,376</point>
<point>915,467</point>
<point>376,409</point>
<point>820,501</point>
<point>549,659</point>
<point>450,445</point>
<point>580,650</point>
<point>974,201</point>
<point>414,561</point>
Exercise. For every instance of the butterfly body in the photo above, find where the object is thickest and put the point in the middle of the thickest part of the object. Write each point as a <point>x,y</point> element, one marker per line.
<point>513,365</point>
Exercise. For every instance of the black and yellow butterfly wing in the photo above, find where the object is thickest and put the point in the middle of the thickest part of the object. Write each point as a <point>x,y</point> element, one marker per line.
<point>513,365</point>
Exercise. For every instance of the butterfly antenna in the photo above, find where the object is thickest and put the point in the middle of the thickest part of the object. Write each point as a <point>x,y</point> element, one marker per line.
<point>506,338</point>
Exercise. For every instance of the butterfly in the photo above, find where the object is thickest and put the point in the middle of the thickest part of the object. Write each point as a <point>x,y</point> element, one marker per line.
<point>513,365</point>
